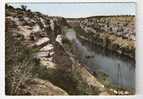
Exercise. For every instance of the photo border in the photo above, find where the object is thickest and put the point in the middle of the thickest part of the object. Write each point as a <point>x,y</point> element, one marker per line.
<point>139,50</point>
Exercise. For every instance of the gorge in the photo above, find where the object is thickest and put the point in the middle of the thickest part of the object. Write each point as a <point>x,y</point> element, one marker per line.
<point>51,55</point>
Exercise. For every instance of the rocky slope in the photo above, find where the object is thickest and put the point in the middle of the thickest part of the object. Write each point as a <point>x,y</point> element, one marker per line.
<point>115,33</point>
<point>54,71</point>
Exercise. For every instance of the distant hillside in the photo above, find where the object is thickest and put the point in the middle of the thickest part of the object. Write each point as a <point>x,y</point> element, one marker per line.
<point>122,25</point>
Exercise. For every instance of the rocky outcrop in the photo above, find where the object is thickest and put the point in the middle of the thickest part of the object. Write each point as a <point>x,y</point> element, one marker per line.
<point>41,87</point>
<point>119,25</point>
<point>38,33</point>
<point>56,72</point>
<point>115,33</point>
<point>112,42</point>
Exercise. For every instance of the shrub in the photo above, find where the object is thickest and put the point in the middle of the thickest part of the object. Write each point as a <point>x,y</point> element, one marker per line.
<point>19,64</point>
<point>23,7</point>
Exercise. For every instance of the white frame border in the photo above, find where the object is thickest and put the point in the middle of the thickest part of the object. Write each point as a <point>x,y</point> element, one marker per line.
<point>139,50</point>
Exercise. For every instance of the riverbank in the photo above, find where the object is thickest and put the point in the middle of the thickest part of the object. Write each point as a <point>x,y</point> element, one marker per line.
<point>45,56</point>
<point>110,41</point>
<point>81,54</point>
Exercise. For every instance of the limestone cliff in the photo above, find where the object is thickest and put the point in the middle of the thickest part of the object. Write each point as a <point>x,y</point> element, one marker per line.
<point>115,33</point>
<point>42,65</point>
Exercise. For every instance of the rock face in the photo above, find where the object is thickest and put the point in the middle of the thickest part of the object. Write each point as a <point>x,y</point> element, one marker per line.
<point>41,87</point>
<point>56,72</point>
<point>115,33</point>
<point>38,33</point>
<point>119,25</point>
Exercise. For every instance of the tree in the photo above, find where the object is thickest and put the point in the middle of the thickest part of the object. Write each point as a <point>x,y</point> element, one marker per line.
<point>23,7</point>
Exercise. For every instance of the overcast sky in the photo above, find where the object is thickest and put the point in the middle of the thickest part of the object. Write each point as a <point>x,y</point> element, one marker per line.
<point>75,10</point>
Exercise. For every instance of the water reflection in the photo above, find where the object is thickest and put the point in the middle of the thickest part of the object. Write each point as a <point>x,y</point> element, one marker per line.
<point>121,70</point>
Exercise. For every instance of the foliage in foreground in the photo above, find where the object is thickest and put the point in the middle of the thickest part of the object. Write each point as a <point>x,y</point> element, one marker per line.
<point>19,64</point>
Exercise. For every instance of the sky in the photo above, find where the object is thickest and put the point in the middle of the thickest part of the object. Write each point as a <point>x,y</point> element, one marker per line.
<point>76,10</point>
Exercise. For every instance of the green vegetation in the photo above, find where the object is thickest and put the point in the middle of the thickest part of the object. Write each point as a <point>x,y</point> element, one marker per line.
<point>102,77</point>
<point>82,86</point>
<point>60,78</point>
<point>23,7</point>
<point>19,65</point>
<point>70,81</point>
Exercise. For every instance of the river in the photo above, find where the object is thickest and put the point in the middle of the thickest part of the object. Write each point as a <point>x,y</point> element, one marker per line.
<point>120,70</point>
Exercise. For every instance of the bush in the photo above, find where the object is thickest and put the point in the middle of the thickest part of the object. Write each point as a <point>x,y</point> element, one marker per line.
<point>19,64</point>
<point>23,7</point>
